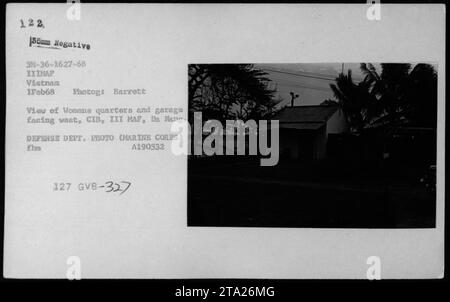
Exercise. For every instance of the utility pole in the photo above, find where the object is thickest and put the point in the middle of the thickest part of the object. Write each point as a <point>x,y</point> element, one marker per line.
<point>293,97</point>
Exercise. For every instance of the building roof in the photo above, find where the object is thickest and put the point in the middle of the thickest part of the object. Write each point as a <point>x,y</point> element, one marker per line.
<point>302,114</point>
<point>301,126</point>
<point>305,117</point>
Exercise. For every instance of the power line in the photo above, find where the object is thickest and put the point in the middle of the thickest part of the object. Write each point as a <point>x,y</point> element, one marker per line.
<point>299,75</point>
<point>297,83</point>
<point>307,87</point>
<point>307,76</point>
<point>301,72</point>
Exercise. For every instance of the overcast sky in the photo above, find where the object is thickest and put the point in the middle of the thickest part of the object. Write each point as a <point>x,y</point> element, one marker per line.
<point>311,81</point>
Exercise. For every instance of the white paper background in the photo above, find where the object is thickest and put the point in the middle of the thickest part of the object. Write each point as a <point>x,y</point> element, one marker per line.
<point>143,233</point>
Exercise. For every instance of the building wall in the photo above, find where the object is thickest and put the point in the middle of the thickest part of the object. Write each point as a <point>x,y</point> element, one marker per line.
<point>337,123</point>
<point>291,141</point>
<point>295,144</point>
<point>320,143</point>
<point>289,144</point>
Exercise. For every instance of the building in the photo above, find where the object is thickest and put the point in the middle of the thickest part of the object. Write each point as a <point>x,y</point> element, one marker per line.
<point>304,130</point>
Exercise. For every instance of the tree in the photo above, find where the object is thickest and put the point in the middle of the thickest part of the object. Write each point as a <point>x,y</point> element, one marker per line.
<point>397,96</point>
<point>230,91</point>
<point>406,96</point>
<point>357,100</point>
<point>421,94</point>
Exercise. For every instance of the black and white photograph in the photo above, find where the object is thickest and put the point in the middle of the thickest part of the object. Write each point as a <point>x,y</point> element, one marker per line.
<point>357,145</point>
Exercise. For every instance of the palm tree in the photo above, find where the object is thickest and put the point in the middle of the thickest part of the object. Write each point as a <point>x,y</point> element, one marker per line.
<point>356,99</point>
<point>421,96</point>
<point>398,96</point>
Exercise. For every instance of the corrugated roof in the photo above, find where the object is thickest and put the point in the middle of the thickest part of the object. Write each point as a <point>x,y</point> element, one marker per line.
<point>308,114</point>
